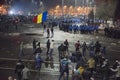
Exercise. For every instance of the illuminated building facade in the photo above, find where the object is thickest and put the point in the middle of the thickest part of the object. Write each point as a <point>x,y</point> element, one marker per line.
<point>71,10</point>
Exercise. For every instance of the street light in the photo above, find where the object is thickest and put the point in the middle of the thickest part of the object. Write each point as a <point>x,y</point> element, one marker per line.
<point>75,11</point>
<point>75,3</point>
<point>94,12</point>
<point>94,9</point>
<point>84,9</point>
<point>62,7</point>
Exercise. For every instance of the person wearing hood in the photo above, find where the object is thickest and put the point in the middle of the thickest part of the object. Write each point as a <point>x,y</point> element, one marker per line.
<point>18,69</point>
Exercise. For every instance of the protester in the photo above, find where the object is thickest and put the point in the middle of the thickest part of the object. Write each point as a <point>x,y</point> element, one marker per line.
<point>25,73</point>
<point>60,51</point>
<point>73,58</point>
<point>78,74</point>
<point>39,62</point>
<point>78,56</point>
<point>38,50</point>
<point>18,69</point>
<point>103,51</point>
<point>52,31</point>
<point>34,44</point>
<point>64,68</point>
<point>51,48</point>
<point>66,43</point>
<point>91,65</point>
<point>77,46</point>
<point>91,49</point>
<point>44,28</point>
<point>48,33</point>
<point>97,47</point>
<point>21,53</point>
<point>84,48</point>
<point>105,70</point>
<point>48,46</point>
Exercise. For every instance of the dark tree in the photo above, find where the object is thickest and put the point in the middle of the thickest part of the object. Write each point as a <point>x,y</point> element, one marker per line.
<point>117,11</point>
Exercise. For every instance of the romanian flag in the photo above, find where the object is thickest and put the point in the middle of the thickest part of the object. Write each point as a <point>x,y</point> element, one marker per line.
<point>40,17</point>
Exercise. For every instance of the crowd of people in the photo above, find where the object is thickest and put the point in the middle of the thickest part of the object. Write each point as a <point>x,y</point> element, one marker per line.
<point>112,32</point>
<point>10,22</point>
<point>87,68</point>
<point>48,30</point>
<point>88,61</point>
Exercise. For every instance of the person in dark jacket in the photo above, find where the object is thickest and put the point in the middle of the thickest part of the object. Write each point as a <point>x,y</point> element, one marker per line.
<point>18,69</point>
<point>77,46</point>
<point>38,50</point>
<point>66,45</point>
<point>48,33</point>
<point>52,31</point>
<point>48,46</point>
<point>97,47</point>
<point>105,70</point>
<point>84,48</point>
<point>103,51</point>
<point>34,44</point>
<point>73,58</point>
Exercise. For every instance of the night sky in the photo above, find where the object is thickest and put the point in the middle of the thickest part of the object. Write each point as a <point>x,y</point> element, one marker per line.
<point>47,3</point>
<point>52,3</point>
<point>1,1</point>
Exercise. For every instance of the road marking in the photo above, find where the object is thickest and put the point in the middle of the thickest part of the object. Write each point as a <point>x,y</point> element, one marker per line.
<point>29,45</point>
<point>16,59</point>
<point>13,34</point>
<point>114,50</point>
<point>113,44</point>
<point>118,41</point>
<point>25,60</point>
<point>54,72</point>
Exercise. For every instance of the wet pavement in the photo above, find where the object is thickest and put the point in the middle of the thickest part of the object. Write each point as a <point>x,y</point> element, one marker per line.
<point>9,49</point>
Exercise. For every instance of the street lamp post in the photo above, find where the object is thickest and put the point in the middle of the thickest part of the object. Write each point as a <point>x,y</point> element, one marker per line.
<point>84,8</point>
<point>75,3</point>
<point>62,7</point>
<point>94,11</point>
<point>75,6</point>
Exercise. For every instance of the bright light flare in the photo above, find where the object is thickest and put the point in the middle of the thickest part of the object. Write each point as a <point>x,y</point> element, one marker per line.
<point>11,12</point>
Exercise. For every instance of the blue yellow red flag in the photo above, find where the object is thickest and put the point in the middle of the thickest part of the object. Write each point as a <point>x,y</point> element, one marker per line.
<point>40,17</point>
